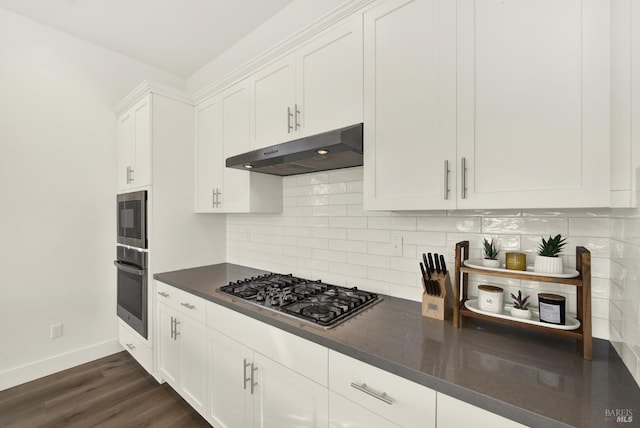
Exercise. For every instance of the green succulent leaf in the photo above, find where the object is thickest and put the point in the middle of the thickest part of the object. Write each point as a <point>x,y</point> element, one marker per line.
<point>552,247</point>
<point>490,250</point>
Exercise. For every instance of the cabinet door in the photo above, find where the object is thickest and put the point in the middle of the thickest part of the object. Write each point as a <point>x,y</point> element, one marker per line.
<point>209,154</point>
<point>284,398</point>
<point>273,94</point>
<point>230,401</point>
<point>453,413</point>
<point>134,146</point>
<point>192,339</point>
<point>168,347</point>
<point>533,103</point>
<point>236,137</point>
<point>409,105</point>
<point>329,80</point>
<point>126,148</point>
<point>345,413</point>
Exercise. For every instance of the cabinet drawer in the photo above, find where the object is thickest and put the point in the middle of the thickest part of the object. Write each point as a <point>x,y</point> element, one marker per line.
<point>300,355</point>
<point>191,305</point>
<point>166,294</point>
<point>136,347</point>
<point>406,403</point>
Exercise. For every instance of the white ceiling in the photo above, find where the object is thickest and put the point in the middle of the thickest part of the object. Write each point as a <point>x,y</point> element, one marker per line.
<point>179,36</point>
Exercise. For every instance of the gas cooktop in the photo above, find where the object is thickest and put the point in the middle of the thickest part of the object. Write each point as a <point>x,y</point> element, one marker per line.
<point>313,302</point>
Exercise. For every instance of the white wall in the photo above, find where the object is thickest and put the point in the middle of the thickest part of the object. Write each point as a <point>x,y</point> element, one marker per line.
<point>324,233</point>
<point>58,185</point>
<point>288,21</point>
<point>625,286</point>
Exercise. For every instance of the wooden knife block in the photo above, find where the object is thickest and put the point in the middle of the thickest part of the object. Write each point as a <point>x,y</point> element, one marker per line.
<point>438,307</point>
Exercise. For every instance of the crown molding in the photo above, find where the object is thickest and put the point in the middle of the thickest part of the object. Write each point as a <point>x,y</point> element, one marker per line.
<point>286,46</point>
<point>147,87</point>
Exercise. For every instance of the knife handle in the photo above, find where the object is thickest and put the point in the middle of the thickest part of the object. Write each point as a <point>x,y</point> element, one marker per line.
<point>437,260</point>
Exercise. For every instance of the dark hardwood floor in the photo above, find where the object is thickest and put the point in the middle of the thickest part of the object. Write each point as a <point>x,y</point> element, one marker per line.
<point>110,392</point>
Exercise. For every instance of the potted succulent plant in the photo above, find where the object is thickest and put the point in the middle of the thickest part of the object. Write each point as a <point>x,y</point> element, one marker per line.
<point>520,307</point>
<point>490,254</point>
<point>547,259</point>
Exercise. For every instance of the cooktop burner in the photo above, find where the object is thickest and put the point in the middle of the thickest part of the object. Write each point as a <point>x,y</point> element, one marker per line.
<point>314,302</point>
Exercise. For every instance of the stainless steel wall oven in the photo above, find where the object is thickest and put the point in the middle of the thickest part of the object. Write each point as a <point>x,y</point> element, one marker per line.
<point>132,288</point>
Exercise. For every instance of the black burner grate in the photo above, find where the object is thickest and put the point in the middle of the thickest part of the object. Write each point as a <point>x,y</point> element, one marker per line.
<point>322,304</point>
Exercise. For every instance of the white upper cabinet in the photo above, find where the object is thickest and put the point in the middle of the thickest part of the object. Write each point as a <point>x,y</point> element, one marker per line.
<point>409,105</point>
<point>625,93</point>
<point>316,88</point>
<point>223,130</point>
<point>273,96</point>
<point>533,101</point>
<point>134,145</point>
<point>329,80</point>
<point>513,95</point>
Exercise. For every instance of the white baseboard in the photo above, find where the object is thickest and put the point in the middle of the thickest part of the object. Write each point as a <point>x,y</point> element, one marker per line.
<point>37,369</point>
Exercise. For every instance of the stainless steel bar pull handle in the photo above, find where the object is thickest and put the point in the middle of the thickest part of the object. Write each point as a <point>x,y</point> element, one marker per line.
<point>289,116</point>
<point>188,306</point>
<point>163,294</point>
<point>129,175</point>
<point>173,328</point>
<point>253,372</point>
<point>463,185</point>
<point>296,121</point>
<point>130,346</point>
<point>244,375</point>
<point>446,180</point>
<point>380,396</point>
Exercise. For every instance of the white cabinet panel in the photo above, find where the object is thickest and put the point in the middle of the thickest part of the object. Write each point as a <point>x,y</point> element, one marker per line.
<point>273,95</point>
<point>231,405</point>
<point>409,105</point>
<point>193,336</point>
<point>134,145</point>
<point>399,400</point>
<point>168,348</point>
<point>209,153</point>
<point>453,413</point>
<point>182,347</point>
<point>329,80</point>
<point>284,399</point>
<point>135,346</point>
<point>345,413</point>
<point>533,97</point>
<point>223,130</point>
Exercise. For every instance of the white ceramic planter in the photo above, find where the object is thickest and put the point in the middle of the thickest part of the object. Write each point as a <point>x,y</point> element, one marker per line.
<point>491,263</point>
<point>521,313</point>
<point>545,264</point>
<point>491,298</point>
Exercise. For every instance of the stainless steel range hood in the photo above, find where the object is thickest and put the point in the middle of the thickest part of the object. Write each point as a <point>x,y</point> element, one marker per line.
<point>341,148</point>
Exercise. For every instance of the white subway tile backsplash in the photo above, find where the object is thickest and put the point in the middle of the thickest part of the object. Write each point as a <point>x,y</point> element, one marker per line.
<point>538,226</point>
<point>346,245</point>
<point>369,235</point>
<point>450,224</point>
<point>348,222</point>
<point>324,232</point>
<point>394,223</point>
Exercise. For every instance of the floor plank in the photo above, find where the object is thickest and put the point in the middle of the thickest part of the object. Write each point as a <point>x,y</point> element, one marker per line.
<point>110,392</point>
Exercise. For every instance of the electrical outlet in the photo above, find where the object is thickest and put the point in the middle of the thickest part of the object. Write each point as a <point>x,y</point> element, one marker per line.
<point>56,330</point>
<point>396,246</point>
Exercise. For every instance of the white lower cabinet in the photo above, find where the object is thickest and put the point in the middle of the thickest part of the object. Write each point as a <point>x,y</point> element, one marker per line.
<point>345,413</point>
<point>250,389</point>
<point>182,348</point>
<point>398,401</point>
<point>453,413</point>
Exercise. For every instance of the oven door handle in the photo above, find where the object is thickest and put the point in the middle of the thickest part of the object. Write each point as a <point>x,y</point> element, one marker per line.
<point>130,269</point>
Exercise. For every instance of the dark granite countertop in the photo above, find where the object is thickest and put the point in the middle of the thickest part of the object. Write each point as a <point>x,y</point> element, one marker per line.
<point>536,379</point>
